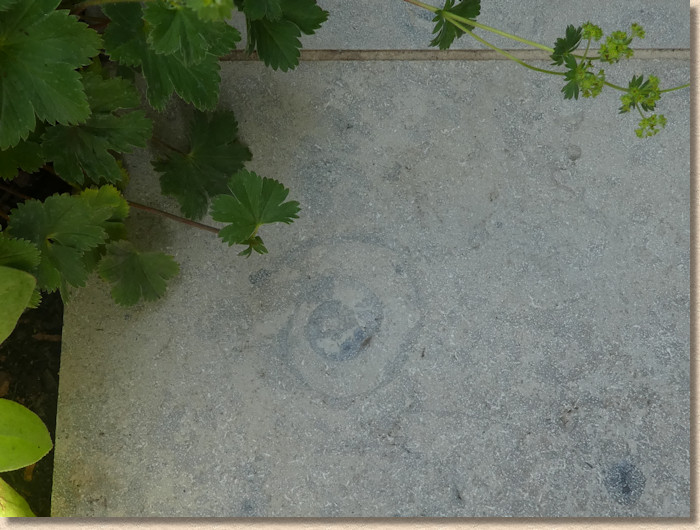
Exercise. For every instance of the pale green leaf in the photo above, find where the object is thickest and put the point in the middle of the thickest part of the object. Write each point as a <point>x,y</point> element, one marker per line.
<point>24,439</point>
<point>16,288</point>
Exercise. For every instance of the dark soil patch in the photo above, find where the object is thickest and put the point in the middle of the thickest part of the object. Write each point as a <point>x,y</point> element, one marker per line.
<point>30,357</point>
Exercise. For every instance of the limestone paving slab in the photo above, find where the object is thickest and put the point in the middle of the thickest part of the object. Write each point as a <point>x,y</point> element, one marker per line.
<point>483,310</point>
<point>397,25</point>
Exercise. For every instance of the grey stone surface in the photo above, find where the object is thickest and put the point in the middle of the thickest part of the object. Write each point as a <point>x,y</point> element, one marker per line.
<point>483,310</point>
<point>395,24</point>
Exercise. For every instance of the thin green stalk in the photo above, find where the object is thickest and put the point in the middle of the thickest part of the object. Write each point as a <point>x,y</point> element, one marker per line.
<point>502,52</point>
<point>674,88</point>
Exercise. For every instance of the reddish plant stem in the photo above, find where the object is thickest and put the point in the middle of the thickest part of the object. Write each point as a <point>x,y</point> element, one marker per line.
<point>173,217</point>
<point>14,192</point>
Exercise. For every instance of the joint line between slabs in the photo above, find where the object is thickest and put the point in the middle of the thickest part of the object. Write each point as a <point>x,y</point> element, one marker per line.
<point>450,55</point>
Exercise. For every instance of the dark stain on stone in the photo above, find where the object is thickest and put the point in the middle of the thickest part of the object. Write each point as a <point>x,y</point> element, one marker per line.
<point>625,482</point>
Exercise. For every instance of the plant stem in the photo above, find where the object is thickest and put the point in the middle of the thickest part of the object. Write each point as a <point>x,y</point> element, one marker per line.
<point>173,217</point>
<point>675,88</point>
<point>502,52</point>
<point>15,193</point>
<point>474,23</point>
<point>167,145</point>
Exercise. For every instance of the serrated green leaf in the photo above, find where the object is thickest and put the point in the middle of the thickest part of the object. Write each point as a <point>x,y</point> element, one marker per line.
<point>277,42</point>
<point>564,46</point>
<point>40,49</point>
<point>16,287</point>
<point>24,439</point>
<point>305,14</point>
<point>177,30</point>
<point>448,32</point>
<point>26,155</point>
<point>110,199</point>
<point>135,274</point>
<point>252,201</point>
<point>214,154</point>
<point>258,9</point>
<point>86,152</point>
<point>18,253</point>
<point>125,42</point>
<point>63,228</point>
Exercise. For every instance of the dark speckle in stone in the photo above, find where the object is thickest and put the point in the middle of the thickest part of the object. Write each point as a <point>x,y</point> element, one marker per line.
<point>624,482</point>
<point>259,277</point>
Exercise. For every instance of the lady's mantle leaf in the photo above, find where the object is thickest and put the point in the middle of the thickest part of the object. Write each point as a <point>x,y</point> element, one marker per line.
<point>63,227</point>
<point>86,151</point>
<point>26,155</point>
<point>257,9</point>
<point>252,202</point>
<point>177,30</point>
<point>563,47</point>
<point>40,49</point>
<point>211,9</point>
<point>18,253</point>
<point>214,155</point>
<point>197,83</point>
<point>135,274</point>
<point>276,38</point>
<point>448,32</point>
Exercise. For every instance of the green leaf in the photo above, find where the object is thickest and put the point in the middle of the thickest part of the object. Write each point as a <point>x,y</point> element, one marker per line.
<point>24,439</point>
<point>26,155</point>
<point>63,227</point>
<point>214,154</point>
<point>12,504</point>
<point>211,9</point>
<point>305,14</point>
<point>16,288</point>
<point>257,9</point>
<point>6,4</point>
<point>125,42</point>
<point>566,45</point>
<point>277,42</point>
<point>448,32</point>
<point>252,201</point>
<point>110,205</point>
<point>40,49</point>
<point>177,30</point>
<point>135,274</point>
<point>276,38</point>
<point>87,151</point>
<point>18,253</point>
<point>23,255</point>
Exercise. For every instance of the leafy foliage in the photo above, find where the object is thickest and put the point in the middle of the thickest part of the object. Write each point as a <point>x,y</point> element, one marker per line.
<point>40,49</point>
<point>27,155</point>
<point>135,274</point>
<point>127,42</point>
<point>580,77</point>
<point>85,152</point>
<point>211,9</point>
<point>446,31</point>
<point>213,155</point>
<point>63,228</point>
<point>252,202</point>
<point>275,34</point>
<point>564,46</point>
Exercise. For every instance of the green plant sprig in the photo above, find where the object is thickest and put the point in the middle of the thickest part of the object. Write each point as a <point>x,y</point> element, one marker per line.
<point>639,94</point>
